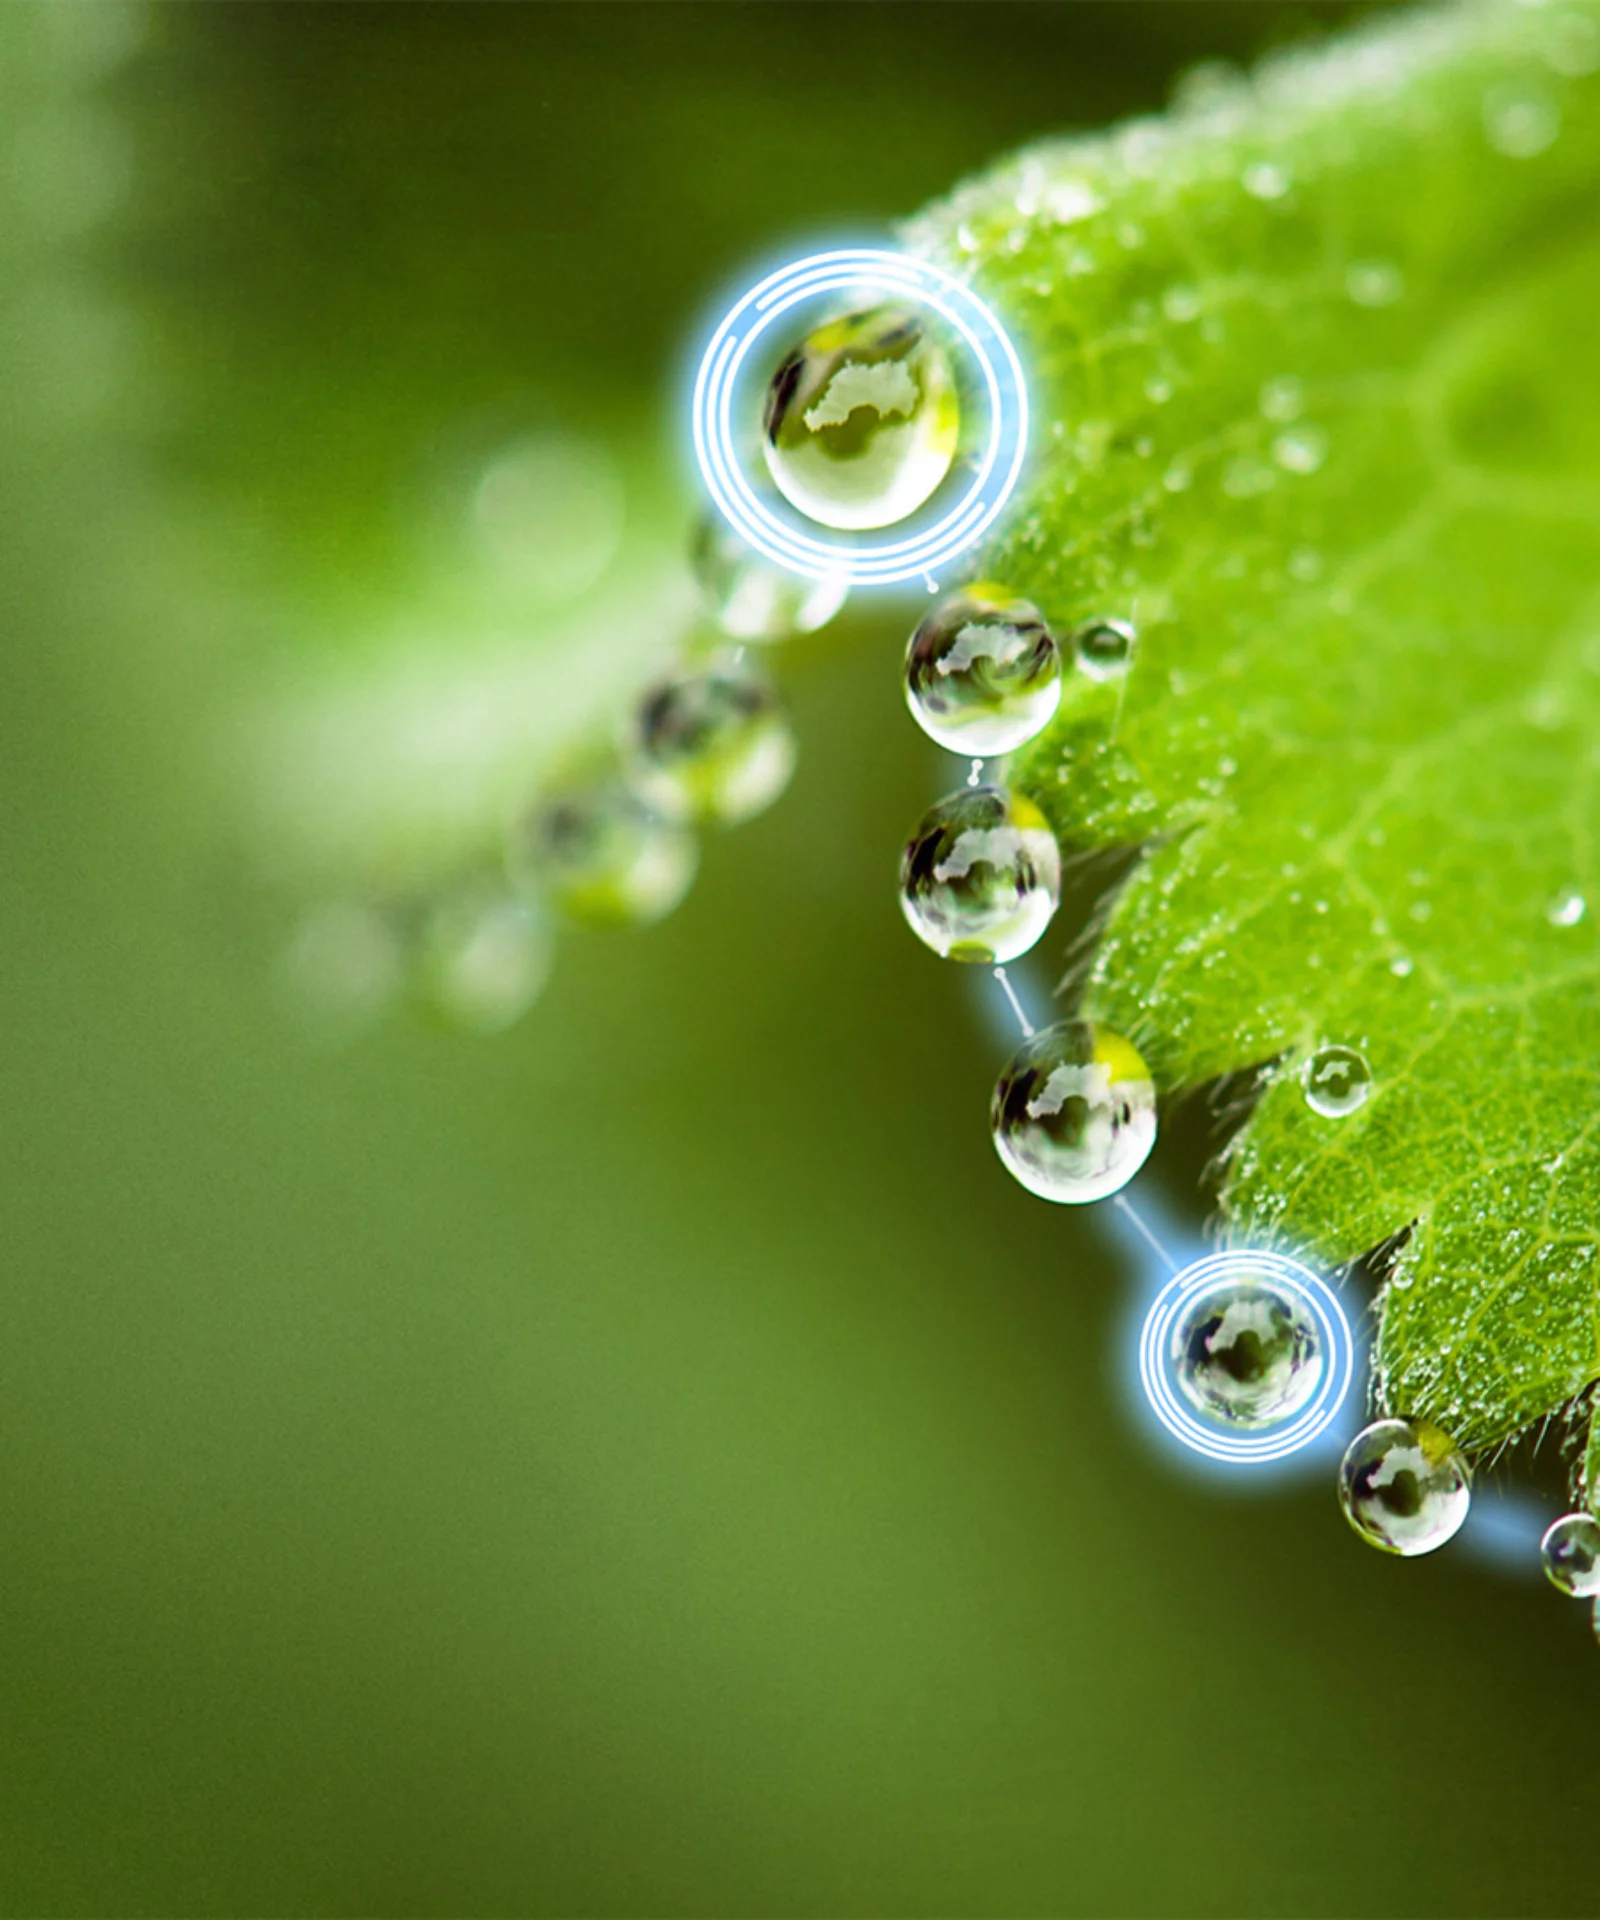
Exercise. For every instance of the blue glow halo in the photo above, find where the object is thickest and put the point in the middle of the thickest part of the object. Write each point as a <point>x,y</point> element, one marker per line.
<point>784,540</point>
<point>1264,1444</point>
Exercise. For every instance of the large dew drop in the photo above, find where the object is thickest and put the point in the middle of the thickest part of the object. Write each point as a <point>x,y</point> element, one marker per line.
<point>711,743</point>
<point>981,876</point>
<point>1337,1082</point>
<point>604,857</point>
<point>1247,1353</point>
<point>1074,1114</point>
<point>1570,1551</point>
<point>983,674</point>
<point>862,420</point>
<point>751,597</point>
<point>1403,1486</point>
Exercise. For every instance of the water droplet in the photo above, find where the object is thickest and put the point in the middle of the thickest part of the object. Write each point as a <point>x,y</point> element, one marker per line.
<point>981,876</point>
<point>751,597</point>
<point>1305,564</point>
<point>485,959</point>
<point>1374,283</point>
<point>1180,303</point>
<point>604,857</point>
<point>1572,45</point>
<point>982,672</point>
<point>1074,1114</point>
<point>1570,1551</point>
<point>1178,478</point>
<point>1246,1352</point>
<point>1403,1486</point>
<point>345,966</point>
<point>1266,180</point>
<point>1068,201</point>
<point>1301,450</point>
<point>1337,1082</point>
<point>548,513</point>
<point>862,420</point>
<point>1521,121</point>
<point>1246,477</point>
<point>1567,908</point>
<point>1282,399</point>
<point>710,743</point>
<point>1157,390</point>
<point>1105,648</point>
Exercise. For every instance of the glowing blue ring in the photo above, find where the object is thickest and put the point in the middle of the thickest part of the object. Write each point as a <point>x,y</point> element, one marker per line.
<point>916,556</point>
<point>1333,1330</point>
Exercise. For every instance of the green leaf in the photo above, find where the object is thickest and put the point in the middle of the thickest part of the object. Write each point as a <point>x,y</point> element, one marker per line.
<point>1318,410</point>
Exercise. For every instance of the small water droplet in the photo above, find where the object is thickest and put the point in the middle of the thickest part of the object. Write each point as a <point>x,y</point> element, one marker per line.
<point>981,876</point>
<point>1403,1486</point>
<point>1246,1352</point>
<point>345,966</point>
<point>485,959</point>
<point>1266,180</point>
<point>710,743</point>
<point>1074,1113</point>
<point>1282,399</point>
<point>1301,450</point>
<point>1572,44</point>
<point>982,672</point>
<point>1180,302</point>
<point>1337,1082</point>
<point>1105,648</point>
<point>966,239</point>
<point>1567,908</point>
<point>1157,390</point>
<point>1247,476</point>
<point>1178,478</point>
<point>1374,283</point>
<point>1402,966</point>
<point>862,420</point>
<point>1068,201</point>
<point>604,857</point>
<point>1570,1551</point>
<point>1521,120</point>
<point>752,598</point>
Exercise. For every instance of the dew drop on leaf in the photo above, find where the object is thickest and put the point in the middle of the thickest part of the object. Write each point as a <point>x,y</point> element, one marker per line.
<point>1337,1082</point>
<point>1374,283</point>
<point>1302,450</point>
<point>710,743</point>
<point>750,597</point>
<point>983,672</point>
<point>1403,1487</point>
<point>1520,120</point>
<point>862,420</point>
<point>1247,1353</point>
<point>1266,180</point>
<point>1074,1114</point>
<point>1105,648</point>
<point>981,876</point>
<point>1570,1551</point>
<point>604,856</point>
<point>1567,908</point>
<point>485,959</point>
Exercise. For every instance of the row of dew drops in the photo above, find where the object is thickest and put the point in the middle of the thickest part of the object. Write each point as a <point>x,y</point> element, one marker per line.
<point>1073,1113</point>
<point>861,427</point>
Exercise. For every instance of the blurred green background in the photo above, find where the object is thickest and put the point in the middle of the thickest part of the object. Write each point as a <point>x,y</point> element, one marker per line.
<point>653,1461</point>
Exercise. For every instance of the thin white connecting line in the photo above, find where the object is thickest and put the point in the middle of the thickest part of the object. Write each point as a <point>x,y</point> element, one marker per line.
<point>1016,1005</point>
<point>1126,1206</point>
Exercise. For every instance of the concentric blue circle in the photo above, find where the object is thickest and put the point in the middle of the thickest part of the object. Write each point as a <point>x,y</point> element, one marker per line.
<point>786,541</point>
<point>1265,1443</point>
